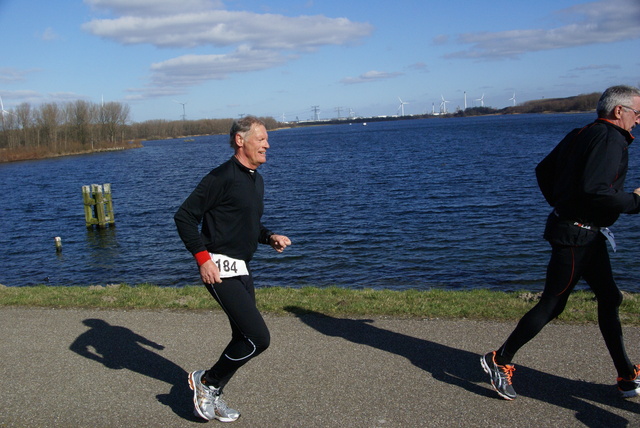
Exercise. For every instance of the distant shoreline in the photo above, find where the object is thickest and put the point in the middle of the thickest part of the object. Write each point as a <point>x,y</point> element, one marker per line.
<point>17,155</point>
<point>365,120</point>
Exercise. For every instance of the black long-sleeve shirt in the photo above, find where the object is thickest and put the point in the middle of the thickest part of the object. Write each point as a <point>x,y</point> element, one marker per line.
<point>583,177</point>
<point>229,203</point>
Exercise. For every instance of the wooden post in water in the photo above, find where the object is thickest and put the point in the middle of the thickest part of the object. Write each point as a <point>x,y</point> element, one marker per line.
<point>96,191</point>
<point>108,202</point>
<point>89,203</point>
<point>95,200</point>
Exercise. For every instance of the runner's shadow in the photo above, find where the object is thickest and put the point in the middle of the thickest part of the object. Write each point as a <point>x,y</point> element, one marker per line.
<point>120,348</point>
<point>587,399</point>
<point>462,368</point>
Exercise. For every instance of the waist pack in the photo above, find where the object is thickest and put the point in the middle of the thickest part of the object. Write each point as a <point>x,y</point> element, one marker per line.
<point>568,232</point>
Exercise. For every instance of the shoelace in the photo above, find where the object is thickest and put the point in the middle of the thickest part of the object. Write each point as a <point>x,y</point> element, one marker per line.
<point>508,371</point>
<point>221,405</point>
<point>207,395</point>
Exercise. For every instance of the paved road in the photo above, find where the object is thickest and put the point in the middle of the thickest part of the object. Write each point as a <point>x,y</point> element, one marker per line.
<point>89,368</point>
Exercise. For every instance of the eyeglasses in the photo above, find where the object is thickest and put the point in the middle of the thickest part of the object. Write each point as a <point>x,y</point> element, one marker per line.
<point>637,112</point>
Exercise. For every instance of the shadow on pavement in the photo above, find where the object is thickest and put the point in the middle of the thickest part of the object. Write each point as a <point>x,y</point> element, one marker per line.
<point>462,368</point>
<point>120,348</point>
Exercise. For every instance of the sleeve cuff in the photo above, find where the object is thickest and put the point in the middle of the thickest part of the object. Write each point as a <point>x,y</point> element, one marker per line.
<point>202,257</point>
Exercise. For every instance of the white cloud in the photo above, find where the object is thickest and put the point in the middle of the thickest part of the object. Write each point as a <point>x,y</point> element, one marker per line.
<point>221,28</point>
<point>153,7</point>
<point>66,96</point>
<point>49,34</point>
<point>419,66</point>
<point>370,76</point>
<point>598,67</point>
<point>194,69</point>
<point>261,41</point>
<point>12,75</point>
<point>603,21</point>
<point>171,76</point>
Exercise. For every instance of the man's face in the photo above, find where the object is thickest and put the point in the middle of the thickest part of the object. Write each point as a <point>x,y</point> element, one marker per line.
<point>252,148</point>
<point>628,117</point>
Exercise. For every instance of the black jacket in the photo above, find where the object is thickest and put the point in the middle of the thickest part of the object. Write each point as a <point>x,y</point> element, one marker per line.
<point>583,177</point>
<point>229,204</point>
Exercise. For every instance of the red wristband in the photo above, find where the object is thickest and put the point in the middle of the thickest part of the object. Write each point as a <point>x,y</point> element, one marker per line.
<point>202,257</point>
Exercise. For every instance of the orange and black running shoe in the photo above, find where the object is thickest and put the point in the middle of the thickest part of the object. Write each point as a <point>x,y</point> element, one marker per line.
<point>630,387</point>
<point>500,375</point>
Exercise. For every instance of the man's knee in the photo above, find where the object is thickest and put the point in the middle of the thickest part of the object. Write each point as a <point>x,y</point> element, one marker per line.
<point>610,299</point>
<point>262,342</point>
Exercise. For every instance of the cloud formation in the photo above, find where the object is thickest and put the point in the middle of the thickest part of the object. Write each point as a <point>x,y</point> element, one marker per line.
<point>370,76</point>
<point>12,75</point>
<point>153,7</point>
<point>603,21</point>
<point>220,28</point>
<point>261,41</point>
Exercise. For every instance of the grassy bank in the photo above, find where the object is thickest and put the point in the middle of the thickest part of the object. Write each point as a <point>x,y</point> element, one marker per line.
<point>475,304</point>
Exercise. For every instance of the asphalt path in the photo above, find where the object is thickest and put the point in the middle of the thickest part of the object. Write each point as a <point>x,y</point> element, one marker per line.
<point>117,368</point>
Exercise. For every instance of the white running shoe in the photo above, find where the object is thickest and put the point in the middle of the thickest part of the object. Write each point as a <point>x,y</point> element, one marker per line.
<point>207,401</point>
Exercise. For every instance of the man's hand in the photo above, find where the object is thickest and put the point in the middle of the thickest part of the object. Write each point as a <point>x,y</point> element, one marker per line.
<point>637,191</point>
<point>209,272</point>
<point>279,242</point>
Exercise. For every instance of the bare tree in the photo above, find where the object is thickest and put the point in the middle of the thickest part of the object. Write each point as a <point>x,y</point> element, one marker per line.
<point>24,117</point>
<point>49,119</point>
<point>113,119</point>
<point>79,114</point>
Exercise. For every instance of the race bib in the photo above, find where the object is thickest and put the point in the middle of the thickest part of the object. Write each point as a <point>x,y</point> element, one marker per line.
<point>229,267</point>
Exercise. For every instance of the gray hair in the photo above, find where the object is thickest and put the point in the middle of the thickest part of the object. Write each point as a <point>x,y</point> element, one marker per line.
<point>242,127</point>
<point>615,96</point>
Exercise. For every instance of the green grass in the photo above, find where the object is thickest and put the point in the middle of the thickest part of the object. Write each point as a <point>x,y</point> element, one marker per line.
<point>333,301</point>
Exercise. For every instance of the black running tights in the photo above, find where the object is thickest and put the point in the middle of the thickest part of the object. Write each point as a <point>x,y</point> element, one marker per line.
<point>249,333</point>
<point>566,266</point>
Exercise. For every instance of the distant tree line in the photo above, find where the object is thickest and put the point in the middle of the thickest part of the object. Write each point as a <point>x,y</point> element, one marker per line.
<point>163,129</point>
<point>578,103</point>
<point>587,102</point>
<point>63,127</point>
<point>52,129</point>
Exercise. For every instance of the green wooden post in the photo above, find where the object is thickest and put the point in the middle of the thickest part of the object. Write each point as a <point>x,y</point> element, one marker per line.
<point>109,217</point>
<point>98,206</point>
<point>96,189</point>
<point>89,203</point>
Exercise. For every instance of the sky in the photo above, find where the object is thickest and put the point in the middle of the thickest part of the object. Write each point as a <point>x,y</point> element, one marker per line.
<point>298,60</point>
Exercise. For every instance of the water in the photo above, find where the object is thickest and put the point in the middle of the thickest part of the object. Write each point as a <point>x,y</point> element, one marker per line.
<point>409,204</point>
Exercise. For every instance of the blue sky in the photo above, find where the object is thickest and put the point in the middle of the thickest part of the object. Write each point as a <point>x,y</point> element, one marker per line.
<point>226,58</point>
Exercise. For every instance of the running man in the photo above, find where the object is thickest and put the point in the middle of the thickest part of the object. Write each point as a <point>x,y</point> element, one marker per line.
<point>583,180</point>
<point>228,203</point>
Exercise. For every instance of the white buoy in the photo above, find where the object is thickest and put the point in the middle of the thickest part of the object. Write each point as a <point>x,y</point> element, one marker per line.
<point>58,241</point>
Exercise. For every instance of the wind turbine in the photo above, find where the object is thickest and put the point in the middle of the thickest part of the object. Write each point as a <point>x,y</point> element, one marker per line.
<point>513,98</point>
<point>4,112</point>
<point>481,99</point>
<point>184,114</point>
<point>443,105</point>
<point>2,108</point>
<point>401,107</point>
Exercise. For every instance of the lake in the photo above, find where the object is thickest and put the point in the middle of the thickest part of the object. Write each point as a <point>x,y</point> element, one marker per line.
<point>414,204</point>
